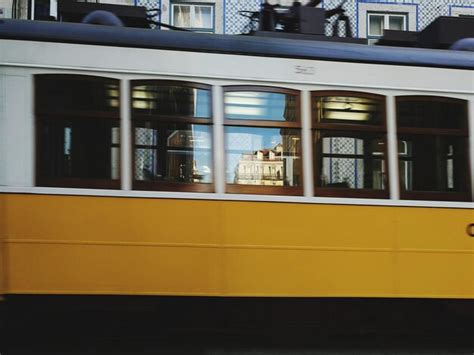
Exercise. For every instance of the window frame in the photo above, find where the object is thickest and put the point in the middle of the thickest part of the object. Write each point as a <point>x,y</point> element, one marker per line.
<point>258,189</point>
<point>163,120</point>
<point>43,115</point>
<point>353,130</point>
<point>378,7</point>
<point>192,6</point>
<point>372,39</point>
<point>452,132</point>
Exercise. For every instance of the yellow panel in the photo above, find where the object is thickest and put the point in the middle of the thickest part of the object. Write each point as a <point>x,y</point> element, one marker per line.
<point>308,225</point>
<point>112,219</point>
<point>436,275</point>
<point>434,228</point>
<point>93,269</point>
<point>309,273</point>
<point>67,244</point>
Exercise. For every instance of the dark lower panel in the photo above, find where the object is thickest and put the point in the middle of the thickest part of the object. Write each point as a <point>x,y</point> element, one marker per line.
<point>285,320</point>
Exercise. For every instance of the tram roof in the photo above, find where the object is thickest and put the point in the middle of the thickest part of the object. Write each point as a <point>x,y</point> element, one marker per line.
<point>231,44</point>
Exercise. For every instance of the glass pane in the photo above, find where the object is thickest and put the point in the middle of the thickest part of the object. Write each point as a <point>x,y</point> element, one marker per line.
<point>433,112</point>
<point>347,109</point>
<point>146,135</point>
<point>376,25</point>
<point>115,163</point>
<point>146,164</point>
<point>396,23</point>
<point>80,149</point>
<point>75,93</point>
<point>202,17</point>
<point>350,162</point>
<point>192,136</point>
<point>433,163</point>
<point>263,156</point>
<point>173,152</point>
<point>189,166</point>
<point>252,105</point>
<point>171,100</point>
<point>182,15</point>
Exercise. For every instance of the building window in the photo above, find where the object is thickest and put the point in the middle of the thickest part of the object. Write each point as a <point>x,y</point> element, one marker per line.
<point>378,22</point>
<point>349,146</point>
<point>374,17</point>
<point>432,148</point>
<point>78,134</point>
<point>172,130</point>
<point>461,11</point>
<point>197,17</point>
<point>262,140</point>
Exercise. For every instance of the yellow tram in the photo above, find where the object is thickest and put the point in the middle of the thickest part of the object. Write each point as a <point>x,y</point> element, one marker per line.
<point>139,162</point>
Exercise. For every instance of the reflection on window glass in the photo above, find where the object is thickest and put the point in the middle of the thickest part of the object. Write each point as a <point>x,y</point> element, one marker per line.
<point>76,93</point>
<point>432,163</point>
<point>252,105</point>
<point>431,113</point>
<point>169,100</point>
<point>346,109</point>
<point>80,149</point>
<point>173,152</point>
<point>263,156</point>
<point>350,162</point>
<point>77,120</point>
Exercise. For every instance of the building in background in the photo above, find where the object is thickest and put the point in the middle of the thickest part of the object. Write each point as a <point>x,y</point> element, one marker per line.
<point>368,17</point>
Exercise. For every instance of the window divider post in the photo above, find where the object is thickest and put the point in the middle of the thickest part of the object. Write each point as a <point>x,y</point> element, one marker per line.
<point>218,145</point>
<point>392,150</point>
<point>125,136</point>
<point>307,146</point>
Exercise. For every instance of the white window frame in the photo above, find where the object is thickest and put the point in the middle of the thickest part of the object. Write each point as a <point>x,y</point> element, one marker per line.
<point>192,6</point>
<point>386,23</point>
<point>364,9</point>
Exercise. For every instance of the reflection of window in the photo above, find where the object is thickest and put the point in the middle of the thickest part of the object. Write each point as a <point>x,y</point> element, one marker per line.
<point>172,136</point>
<point>78,133</point>
<point>432,148</point>
<point>349,144</point>
<point>199,17</point>
<point>378,22</point>
<point>262,140</point>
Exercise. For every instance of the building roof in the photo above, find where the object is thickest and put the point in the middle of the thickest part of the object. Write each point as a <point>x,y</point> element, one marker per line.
<point>231,44</point>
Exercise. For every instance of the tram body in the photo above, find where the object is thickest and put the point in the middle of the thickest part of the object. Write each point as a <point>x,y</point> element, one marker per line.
<point>98,241</point>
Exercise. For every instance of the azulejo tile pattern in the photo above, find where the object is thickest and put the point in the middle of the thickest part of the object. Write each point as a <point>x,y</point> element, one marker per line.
<point>234,22</point>
<point>150,5</point>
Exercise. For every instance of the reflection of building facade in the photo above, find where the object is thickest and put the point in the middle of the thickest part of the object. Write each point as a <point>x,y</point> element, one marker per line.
<point>261,167</point>
<point>183,164</point>
<point>180,154</point>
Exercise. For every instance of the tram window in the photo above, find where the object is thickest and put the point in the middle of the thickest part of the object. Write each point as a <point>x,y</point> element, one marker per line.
<point>267,106</point>
<point>78,131</point>
<point>172,136</point>
<point>432,148</point>
<point>262,140</point>
<point>349,144</point>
